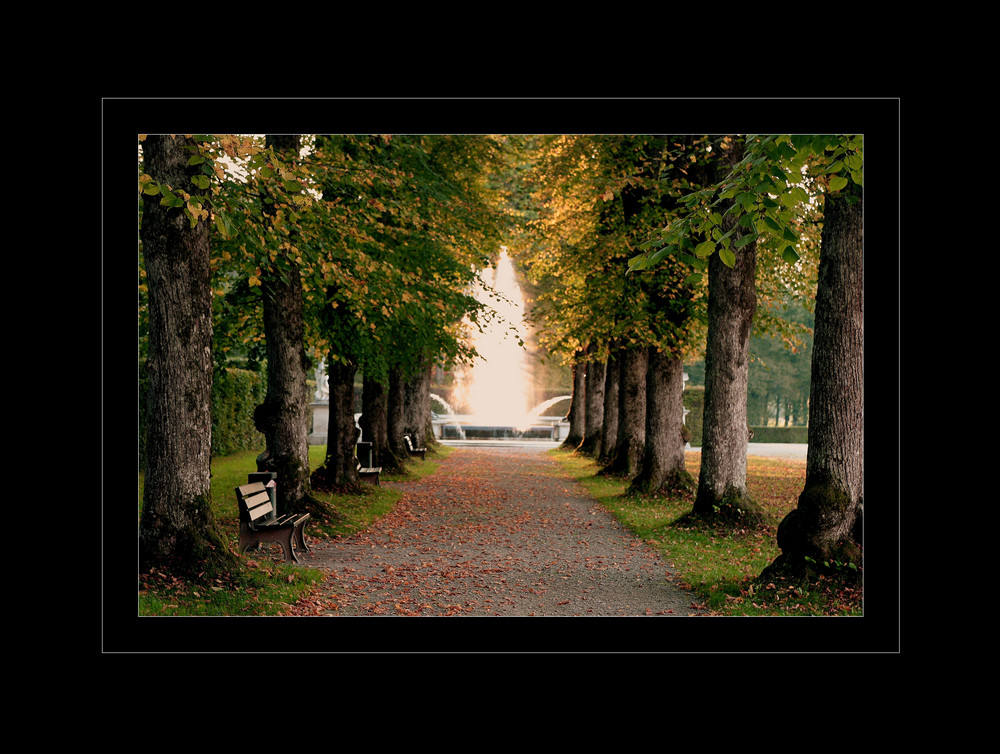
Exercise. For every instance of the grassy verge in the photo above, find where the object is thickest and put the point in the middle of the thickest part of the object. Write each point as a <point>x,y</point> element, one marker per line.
<point>267,586</point>
<point>721,565</point>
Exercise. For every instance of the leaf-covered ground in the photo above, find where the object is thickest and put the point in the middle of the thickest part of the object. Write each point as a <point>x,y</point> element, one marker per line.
<point>495,532</point>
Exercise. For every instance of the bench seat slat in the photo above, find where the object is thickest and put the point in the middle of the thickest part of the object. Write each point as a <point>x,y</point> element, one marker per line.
<point>261,498</point>
<point>291,519</point>
<point>249,489</point>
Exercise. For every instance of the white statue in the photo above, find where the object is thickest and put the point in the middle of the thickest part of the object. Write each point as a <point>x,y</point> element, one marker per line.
<point>322,382</point>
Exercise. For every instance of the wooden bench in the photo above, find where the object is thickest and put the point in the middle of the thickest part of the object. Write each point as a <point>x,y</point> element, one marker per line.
<point>255,526</point>
<point>412,449</point>
<point>369,474</point>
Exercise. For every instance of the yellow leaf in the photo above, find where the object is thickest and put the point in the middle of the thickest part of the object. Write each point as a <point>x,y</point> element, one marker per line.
<point>254,280</point>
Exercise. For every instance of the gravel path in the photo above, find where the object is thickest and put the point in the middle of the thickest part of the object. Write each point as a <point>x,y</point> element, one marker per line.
<point>496,531</point>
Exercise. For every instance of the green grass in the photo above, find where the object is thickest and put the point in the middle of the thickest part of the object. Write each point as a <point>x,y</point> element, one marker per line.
<point>266,586</point>
<point>721,565</point>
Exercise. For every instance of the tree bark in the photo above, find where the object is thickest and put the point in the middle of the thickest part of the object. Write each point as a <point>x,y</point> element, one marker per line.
<point>663,460</point>
<point>609,428</point>
<point>577,408</point>
<point>374,423</point>
<point>177,529</point>
<point>396,415</point>
<point>339,470</point>
<point>283,418</point>
<point>417,407</point>
<point>594,415</point>
<point>631,443</point>
<point>826,525</point>
<point>732,303</point>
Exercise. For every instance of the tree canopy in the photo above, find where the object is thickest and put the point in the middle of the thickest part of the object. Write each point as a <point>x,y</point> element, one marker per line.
<point>390,228</point>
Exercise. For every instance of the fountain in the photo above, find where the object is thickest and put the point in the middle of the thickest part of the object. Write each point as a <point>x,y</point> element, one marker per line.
<point>491,399</point>
<point>448,419</point>
<point>495,393</point>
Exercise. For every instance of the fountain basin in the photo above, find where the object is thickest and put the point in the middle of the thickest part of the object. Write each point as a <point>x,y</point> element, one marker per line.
<point>471,428</point>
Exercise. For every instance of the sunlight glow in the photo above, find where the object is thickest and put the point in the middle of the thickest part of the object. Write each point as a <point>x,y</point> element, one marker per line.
<point>497,389</point>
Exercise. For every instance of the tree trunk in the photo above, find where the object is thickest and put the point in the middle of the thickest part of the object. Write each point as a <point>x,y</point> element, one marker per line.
<point>374,423</point>
<point>663,460</point>
<point>577,408</point>
<point>631,443</point>
<point>732,304</point>
<point>177,530</point>
<point>396,415</point>
<point>417,408</point>
<point>339,471</point>
<point>594,414</point>
<point>826,526</point>
<point>283,418</point>
<point>609,428</point>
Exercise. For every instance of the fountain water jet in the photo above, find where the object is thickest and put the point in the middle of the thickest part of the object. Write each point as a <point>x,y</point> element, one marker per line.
<point>496,390</point>
<point>450,418</point>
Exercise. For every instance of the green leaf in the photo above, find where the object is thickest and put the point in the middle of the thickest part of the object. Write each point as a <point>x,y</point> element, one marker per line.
<point>789,255</point>
<point>837,183</point>
<point>744,240</point>
<point>656,256</point>
<point>728,258</point>
<point>637,262</point>
<point>693,279</point>
<point>223,224</point>
<point>705,249</point>
<point>170,200</point>
<point>201,181</point>
<point>786,151</point>
<point>693,261</point>
<point>791,198</point>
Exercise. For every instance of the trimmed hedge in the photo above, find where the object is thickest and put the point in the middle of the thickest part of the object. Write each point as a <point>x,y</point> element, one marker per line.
<point>694,401</point>
<point>235,395</point>
<point>781,434</point>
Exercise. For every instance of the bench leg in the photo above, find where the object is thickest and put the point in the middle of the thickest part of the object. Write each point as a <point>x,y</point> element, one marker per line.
<point>286,545</point>
<point>282,536</point>
<point>300,540</point>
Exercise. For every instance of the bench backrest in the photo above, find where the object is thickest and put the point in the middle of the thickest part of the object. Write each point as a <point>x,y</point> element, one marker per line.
<point>254,502</point>
<point>409,442</point>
